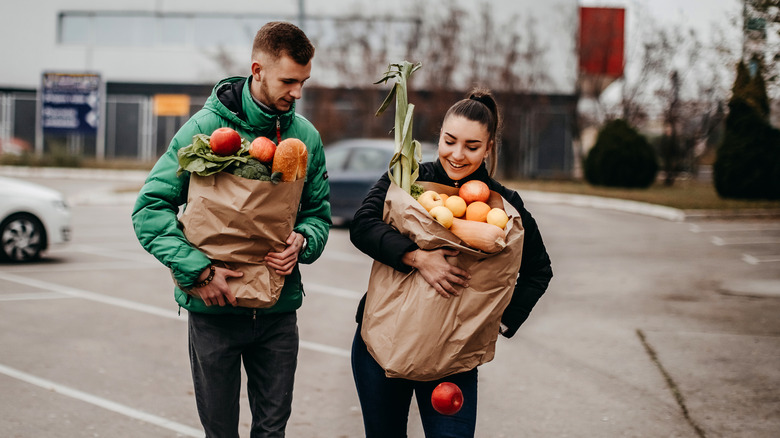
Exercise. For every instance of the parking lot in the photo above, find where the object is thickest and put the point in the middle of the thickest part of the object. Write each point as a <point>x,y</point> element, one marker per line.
<point>651,328</point>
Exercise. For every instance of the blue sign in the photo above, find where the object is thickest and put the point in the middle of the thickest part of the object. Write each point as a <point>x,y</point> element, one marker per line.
<point>70,103</point>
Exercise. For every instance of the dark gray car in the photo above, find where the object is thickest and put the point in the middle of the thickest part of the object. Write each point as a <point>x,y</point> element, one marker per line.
<point>354,166</point>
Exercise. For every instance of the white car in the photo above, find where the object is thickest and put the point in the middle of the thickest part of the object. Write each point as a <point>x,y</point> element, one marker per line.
<point>32,219</point>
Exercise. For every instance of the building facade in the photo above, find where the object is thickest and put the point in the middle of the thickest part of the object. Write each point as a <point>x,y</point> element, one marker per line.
<point>157,62</point>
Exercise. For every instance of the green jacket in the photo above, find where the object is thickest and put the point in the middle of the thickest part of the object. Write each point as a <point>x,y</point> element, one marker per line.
<point>155,213</point>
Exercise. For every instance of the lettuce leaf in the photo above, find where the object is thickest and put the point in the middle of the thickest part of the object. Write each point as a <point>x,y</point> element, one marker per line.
<point>198,157</point>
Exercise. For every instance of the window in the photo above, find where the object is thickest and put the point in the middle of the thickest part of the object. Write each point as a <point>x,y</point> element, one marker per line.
<point>76,29</point>
<point>172,31</point>
<point>147,29</point>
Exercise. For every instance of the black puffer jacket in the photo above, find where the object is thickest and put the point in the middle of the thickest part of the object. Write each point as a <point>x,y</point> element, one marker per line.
<point>385,244</point>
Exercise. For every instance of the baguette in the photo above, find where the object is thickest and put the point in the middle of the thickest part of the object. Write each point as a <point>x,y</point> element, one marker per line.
<point>291,159</point>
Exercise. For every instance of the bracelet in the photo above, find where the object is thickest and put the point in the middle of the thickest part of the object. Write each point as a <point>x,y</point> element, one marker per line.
<point>208,279</point>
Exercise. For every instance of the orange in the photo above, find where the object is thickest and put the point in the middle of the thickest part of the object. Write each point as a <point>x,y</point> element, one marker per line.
<point>444,197</point>
<point>456,204</point>
<point>498,218</point>
<point>477,211</point>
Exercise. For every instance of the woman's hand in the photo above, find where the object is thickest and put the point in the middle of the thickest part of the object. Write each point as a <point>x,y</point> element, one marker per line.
<point>217,291</point>
<point>437,271</point>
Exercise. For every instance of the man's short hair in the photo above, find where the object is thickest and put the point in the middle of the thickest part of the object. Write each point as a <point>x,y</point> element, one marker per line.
<point>278,38</point>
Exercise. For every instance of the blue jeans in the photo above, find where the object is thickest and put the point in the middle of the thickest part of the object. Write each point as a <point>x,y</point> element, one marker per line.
<point>268,347</point>
<point>385,401</point>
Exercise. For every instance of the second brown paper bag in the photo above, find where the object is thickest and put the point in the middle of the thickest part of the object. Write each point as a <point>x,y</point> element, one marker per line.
<point>412,331</point>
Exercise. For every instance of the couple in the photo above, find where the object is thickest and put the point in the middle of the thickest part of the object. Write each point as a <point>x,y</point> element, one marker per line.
<point>223,335</point>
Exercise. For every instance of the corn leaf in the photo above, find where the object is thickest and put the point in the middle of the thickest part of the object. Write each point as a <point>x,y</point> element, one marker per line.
<point>404,166</point>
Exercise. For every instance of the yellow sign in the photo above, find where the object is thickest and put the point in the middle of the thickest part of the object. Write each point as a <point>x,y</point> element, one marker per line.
<point>171,105</point>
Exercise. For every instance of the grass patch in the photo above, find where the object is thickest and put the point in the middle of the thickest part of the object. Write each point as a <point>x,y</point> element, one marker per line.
<point>684,194</point>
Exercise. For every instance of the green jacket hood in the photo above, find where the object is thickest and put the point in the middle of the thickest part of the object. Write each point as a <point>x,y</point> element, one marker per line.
<point>232,100</point>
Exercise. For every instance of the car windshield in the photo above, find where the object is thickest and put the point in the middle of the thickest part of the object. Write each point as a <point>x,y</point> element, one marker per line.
<point>367,156</point>
<point>366,160</point>
<point>336,158</point>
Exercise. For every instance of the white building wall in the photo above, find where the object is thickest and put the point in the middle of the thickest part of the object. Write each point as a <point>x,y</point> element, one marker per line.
<point>30,40</point>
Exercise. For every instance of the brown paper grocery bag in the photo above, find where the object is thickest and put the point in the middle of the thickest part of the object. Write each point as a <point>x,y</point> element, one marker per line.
<point>412,331</point>
<point>236,221</point>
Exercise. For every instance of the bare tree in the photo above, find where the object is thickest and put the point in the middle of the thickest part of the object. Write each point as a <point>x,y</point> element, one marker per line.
<point>762,17</point>
<point>455,53</point>
<point>677,79</point>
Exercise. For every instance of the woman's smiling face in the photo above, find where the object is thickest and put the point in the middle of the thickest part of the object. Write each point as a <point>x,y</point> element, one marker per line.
<point>463,145</point>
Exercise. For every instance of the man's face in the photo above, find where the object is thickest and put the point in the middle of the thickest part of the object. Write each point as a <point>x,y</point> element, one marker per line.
<point>279,82</point>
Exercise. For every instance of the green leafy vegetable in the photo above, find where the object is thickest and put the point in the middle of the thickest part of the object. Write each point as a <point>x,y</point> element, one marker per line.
<point>416,191</point>
<point>254,169</point>
<point>198,157</point>
<point>404,166</point>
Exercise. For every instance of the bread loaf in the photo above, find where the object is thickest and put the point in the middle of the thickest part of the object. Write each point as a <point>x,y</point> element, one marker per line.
<point>291,159</point>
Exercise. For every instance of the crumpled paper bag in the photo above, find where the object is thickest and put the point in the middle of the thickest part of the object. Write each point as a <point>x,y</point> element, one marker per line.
<point>236,221</point>
<point>412,331</point>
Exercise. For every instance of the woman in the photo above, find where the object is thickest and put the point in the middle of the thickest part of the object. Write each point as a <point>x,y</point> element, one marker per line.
<point>468,139</point>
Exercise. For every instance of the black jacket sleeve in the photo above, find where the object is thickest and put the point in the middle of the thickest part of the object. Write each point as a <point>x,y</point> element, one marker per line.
<point>535,271</point>
<point>371,235</point>
<point>380,241</point>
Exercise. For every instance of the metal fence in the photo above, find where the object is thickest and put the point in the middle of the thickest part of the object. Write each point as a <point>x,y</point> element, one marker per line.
<point>537,139</point>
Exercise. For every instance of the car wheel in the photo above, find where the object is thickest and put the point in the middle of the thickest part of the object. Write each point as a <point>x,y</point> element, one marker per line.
<point>22,238</point>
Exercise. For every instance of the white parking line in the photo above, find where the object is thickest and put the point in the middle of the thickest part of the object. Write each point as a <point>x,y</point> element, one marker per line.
<point>754,260</point>
<point>132,305</point>
<point>334,291</point>
<point>32,296</point>
<point>134,256</point>
<point>78,293</point>
<point>719,241</point>
<point>346,256</point>
<point>696,228</point>
<point>55,291</point>
<point>101,402</point>
<point>84,266</point>
<point>322,348</point>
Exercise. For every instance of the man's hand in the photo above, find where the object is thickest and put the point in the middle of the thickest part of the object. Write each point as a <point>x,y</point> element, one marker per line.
<point>437,271</point>
<point>217,291</point>
<point>284,262</point>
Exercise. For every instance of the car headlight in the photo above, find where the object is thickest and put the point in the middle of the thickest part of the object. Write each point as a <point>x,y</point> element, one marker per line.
<point>60,204</point>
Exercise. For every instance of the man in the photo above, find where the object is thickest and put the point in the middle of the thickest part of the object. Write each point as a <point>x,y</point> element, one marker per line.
<point>221,334</point>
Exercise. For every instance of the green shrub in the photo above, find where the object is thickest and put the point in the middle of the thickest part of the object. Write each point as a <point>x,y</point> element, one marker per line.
<point>747,165</point>
<point>621,157</point>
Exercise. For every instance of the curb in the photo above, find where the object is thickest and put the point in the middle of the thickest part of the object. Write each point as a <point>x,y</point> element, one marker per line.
<point>98,196</point>
<point>768,213</point>
<point>643,208</point>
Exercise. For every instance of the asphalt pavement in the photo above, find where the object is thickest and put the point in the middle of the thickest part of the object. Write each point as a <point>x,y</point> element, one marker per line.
<point>657,324</point>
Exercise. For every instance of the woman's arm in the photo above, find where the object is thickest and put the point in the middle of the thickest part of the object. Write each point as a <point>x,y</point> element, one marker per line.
<point>371,235</point>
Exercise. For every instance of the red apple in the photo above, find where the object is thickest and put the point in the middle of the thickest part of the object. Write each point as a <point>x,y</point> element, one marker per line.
<point>447,398</point>
<point>474,190</point>
<point>262,149</point>
<point>225,141</point>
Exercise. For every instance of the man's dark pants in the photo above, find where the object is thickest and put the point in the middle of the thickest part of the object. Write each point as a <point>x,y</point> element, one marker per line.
<point>268,347</point>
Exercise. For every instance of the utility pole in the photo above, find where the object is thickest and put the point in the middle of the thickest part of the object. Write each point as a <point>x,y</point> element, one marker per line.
<point>302,14</point>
